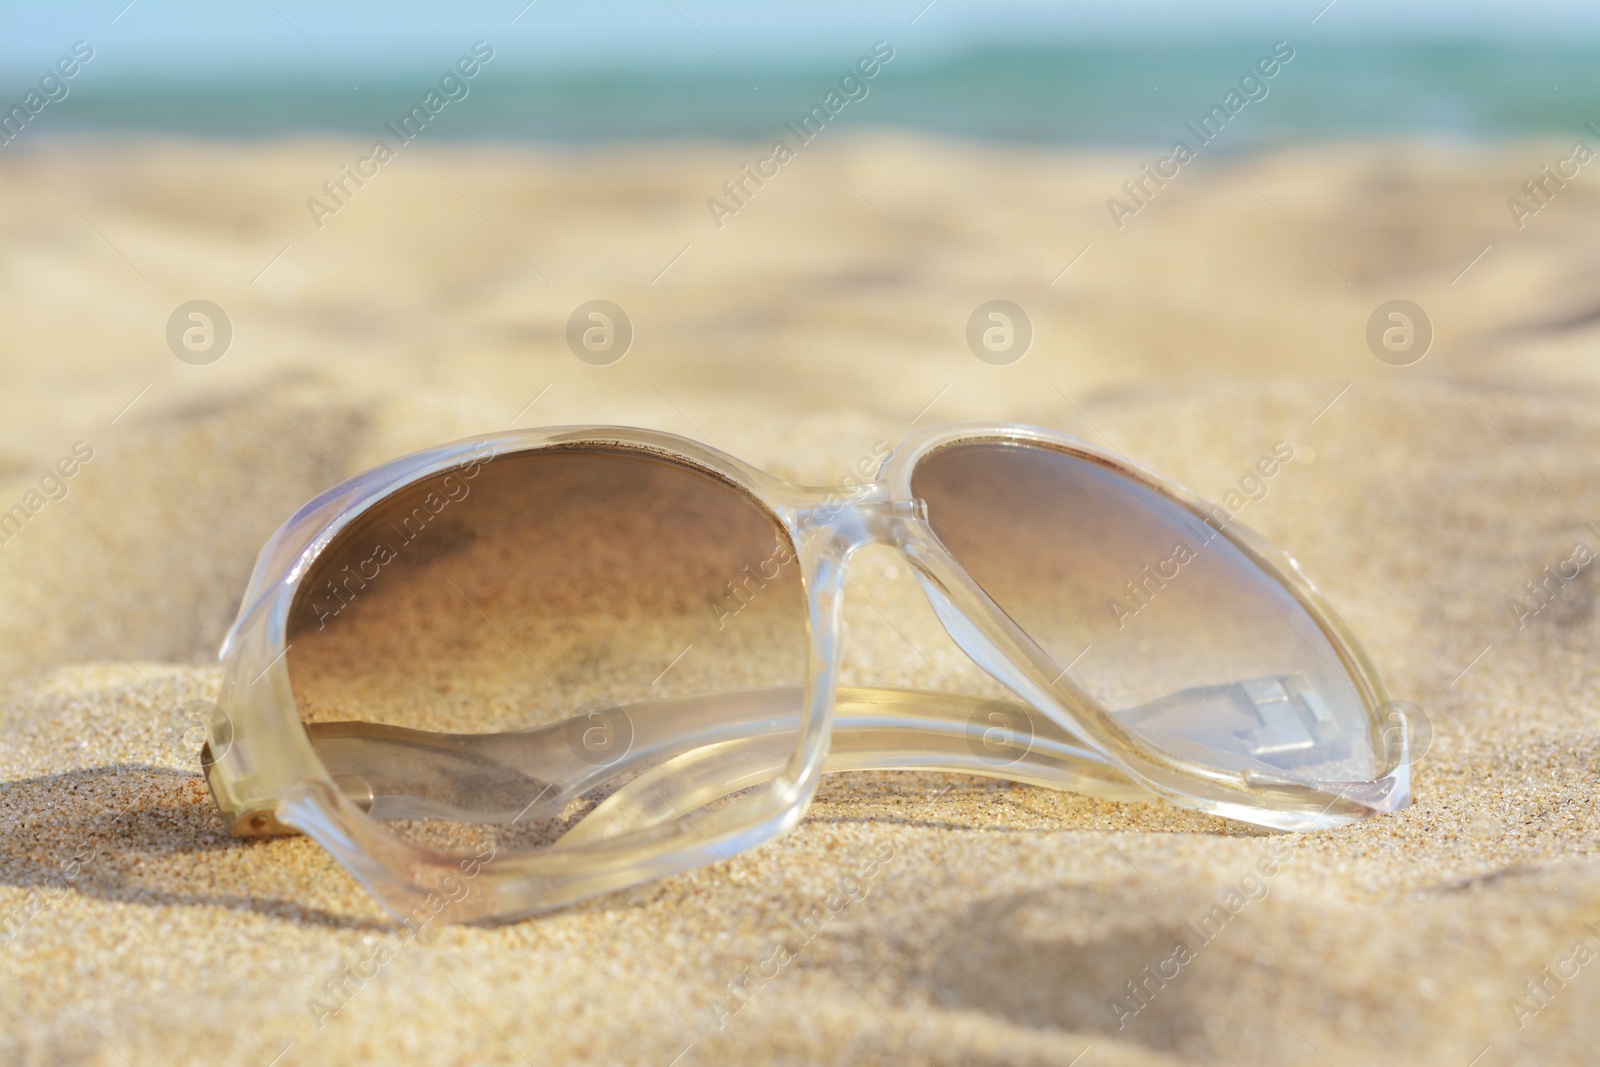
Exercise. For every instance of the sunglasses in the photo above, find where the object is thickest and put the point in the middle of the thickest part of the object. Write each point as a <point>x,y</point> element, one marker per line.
<point>508,673</point>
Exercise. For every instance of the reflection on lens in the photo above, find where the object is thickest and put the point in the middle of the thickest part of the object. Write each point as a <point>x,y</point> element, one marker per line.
<point>531,607</point>
<point>1160,616</point>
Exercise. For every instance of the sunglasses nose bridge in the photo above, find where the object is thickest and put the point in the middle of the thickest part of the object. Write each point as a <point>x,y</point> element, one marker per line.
<point>871,522</point>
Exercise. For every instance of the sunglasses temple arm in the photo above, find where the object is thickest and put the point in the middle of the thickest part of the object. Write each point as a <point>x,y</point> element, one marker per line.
<point>710,772</point>
<point>745,737</point>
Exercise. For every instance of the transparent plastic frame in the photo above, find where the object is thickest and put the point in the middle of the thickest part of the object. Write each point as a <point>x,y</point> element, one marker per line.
<point>270,774</point>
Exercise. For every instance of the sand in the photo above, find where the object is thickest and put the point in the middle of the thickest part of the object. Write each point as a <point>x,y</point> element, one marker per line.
<point>1000,924</point>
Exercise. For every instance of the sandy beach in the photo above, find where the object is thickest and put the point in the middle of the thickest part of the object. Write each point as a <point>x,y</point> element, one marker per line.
<point>1002,923</point>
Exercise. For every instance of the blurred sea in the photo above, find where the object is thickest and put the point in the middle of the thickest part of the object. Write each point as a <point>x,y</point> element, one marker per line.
<point>1086,93</point>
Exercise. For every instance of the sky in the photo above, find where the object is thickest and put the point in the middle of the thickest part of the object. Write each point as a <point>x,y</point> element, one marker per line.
<point>174,37</point>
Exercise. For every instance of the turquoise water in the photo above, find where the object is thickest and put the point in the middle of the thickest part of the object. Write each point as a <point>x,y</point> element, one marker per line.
<point>1084,93</point>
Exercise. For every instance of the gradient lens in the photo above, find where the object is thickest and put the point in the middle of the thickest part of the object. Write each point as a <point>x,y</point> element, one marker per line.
<point>1163,619</point>
<point>502,644</point>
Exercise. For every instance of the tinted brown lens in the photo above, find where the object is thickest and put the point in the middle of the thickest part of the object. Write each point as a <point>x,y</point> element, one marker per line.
<point>1162,619</point>
<point>541,590</point>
